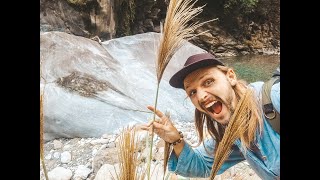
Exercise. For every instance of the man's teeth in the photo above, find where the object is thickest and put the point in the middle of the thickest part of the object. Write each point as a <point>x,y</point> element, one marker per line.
<point>210,104</point>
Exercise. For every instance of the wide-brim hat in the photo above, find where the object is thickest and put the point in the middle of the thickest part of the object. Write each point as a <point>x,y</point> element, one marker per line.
<point>193,63</point>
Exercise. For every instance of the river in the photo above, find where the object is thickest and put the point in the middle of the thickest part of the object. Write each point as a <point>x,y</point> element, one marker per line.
<point>253,67</point>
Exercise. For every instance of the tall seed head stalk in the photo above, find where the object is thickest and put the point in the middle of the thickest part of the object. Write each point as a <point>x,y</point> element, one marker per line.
<point>41,137</point>
<point>176,29</point>
<point>42,126</point>
<point>243,124</point>
<point>128,155</point>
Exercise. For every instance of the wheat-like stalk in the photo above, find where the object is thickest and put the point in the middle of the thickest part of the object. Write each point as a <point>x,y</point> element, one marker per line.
<point>176,29</point>
<point>42,124</point>
<point>128,155</point>
<point>237,127</point>
<point>167,150</point>
<point>41,137</point>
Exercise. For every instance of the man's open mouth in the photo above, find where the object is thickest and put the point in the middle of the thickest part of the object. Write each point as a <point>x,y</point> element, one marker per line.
<point>214,107</point>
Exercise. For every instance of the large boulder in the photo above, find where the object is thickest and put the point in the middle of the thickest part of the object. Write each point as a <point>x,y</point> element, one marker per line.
<point>91,89</point>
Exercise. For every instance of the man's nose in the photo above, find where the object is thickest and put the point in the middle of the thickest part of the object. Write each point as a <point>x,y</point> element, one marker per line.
<point>202,95</point>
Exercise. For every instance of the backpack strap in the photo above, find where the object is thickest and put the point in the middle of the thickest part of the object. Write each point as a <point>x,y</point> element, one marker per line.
<point>268,110</point>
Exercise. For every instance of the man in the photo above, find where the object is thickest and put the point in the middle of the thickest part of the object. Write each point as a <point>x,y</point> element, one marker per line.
<point>215,92</point>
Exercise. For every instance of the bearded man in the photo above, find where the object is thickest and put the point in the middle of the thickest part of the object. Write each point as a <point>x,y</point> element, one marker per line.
<point>218,97</point>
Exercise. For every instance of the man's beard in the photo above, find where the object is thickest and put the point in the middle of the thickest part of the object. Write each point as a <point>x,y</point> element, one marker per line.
<point>231,109</point>
<point>228,104</point>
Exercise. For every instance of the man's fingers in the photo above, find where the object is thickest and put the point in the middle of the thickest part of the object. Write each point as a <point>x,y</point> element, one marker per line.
<point>158,113</point>
<point>158,120</point>
<point>158,125</point>
<point>143,126</point>
<point>164,119</point>
<point>149,123</point>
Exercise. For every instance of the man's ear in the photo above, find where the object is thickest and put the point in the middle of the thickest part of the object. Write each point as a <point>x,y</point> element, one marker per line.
<point>232,77</point>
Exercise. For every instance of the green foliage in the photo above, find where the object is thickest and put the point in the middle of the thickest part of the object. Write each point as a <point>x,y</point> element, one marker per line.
<point>126,11</point>
<point>244,6</point>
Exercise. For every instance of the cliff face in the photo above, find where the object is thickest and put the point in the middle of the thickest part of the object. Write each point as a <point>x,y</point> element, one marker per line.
<point>244,27</point>
<point>87,18</point>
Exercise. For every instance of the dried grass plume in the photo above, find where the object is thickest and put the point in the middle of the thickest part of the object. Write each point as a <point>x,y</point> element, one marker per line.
<point>177,28</point>
<point>129,156</point>
<point>243,124</point>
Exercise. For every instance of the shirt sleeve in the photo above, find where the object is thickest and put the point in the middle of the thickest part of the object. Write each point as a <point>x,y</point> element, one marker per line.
<point>197,162</point>
<point>275,96</point>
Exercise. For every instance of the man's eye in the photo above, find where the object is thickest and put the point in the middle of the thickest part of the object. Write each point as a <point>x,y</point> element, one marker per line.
<point>192,93</point>
<point>208,82</point>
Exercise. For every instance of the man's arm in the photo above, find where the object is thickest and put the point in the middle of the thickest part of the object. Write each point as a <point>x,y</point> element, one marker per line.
<point>197,162</point>
<point>178,148</point>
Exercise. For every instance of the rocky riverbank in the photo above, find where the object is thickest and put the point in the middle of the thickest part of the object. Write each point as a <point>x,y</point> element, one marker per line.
<point>97,158</point>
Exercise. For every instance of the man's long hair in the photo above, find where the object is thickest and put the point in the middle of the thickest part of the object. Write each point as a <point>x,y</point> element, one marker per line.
<point>216,130</point>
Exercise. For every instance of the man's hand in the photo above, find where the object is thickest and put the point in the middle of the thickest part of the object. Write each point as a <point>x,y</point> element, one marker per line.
<point>163,127</point>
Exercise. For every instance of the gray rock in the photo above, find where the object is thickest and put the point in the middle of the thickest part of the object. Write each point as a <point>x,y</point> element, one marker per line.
<point>99,141</point>
<point>48,157</point>
<point>107,171</point>
<point>82,172</point>
<point>111,145</point>
<point>60,173</point>
<point>56,155</point>
<point>57,144</point>
<point>65,157</point>
<point>91,90</point>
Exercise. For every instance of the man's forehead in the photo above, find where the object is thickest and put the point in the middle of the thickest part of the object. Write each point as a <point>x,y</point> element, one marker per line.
<point>197,74</point>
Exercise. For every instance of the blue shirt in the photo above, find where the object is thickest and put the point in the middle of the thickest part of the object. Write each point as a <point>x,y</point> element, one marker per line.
<point>265,160</point>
